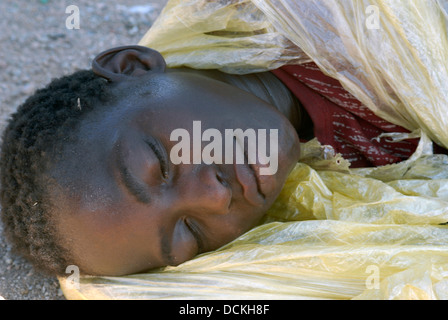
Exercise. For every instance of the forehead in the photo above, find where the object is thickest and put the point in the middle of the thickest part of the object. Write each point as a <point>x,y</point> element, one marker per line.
<point>83,168</point>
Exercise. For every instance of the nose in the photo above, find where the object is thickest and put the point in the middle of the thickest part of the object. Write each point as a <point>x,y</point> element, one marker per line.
<point>204,189</point>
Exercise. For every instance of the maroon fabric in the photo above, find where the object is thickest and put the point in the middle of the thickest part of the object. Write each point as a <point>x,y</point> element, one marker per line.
<point>340,120</point>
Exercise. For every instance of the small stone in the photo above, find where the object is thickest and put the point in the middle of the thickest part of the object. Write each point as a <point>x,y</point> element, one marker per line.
<point>28,89</point>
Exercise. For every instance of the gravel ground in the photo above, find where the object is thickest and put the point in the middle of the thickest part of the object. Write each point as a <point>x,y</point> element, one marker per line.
<point>36,46</point>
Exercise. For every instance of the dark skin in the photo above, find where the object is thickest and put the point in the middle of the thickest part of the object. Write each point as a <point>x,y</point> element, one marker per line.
<point>125,208</point>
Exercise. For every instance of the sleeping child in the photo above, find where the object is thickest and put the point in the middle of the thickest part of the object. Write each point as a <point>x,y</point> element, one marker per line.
<point>92,174</point>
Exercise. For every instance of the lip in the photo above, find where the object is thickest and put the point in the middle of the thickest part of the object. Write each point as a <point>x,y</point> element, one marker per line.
<point>246,176</point>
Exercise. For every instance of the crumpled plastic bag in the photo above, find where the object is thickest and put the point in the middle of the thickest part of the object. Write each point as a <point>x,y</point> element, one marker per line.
<point>333,233</point>
<point>301,260</point>
<point>391,55</point>
<point>232,36</point>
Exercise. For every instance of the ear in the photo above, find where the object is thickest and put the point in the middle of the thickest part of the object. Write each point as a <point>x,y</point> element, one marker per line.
<point>120,63</point>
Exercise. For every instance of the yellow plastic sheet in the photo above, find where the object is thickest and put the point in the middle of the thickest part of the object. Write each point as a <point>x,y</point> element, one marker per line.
<point>390,54</point>
<point>233,36</point>
<point>333,233</point>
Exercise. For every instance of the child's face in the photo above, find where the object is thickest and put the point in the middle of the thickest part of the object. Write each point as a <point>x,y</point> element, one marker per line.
<point>126,208</point>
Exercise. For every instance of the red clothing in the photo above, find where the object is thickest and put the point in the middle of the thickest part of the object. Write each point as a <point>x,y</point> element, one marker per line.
<point>340,120</point>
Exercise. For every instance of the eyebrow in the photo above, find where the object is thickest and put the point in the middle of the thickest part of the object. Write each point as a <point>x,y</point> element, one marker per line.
<point>135,187</point>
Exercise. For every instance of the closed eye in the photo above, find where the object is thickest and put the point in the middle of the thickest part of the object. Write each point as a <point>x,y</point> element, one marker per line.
<point>196,234</point>
<point>161,156</point>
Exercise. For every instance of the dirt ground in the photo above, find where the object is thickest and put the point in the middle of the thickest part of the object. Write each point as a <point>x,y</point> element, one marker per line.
<point>36,46</point>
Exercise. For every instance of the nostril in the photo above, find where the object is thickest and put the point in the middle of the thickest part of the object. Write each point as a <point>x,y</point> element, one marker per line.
<point>221,179</point>
<point>218,176</point>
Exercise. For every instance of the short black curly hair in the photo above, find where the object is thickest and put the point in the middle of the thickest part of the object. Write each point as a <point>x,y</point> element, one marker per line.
<point>32,139</point>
